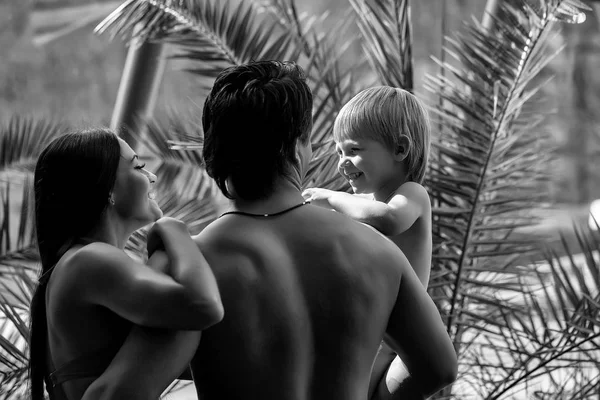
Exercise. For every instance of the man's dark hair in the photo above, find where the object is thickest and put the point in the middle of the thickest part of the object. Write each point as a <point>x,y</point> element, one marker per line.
<point>252,119</point>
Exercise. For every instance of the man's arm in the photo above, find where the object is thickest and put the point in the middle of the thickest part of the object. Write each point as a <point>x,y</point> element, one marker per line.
<point>383,359</point>
<point>391,218</point>
<point>416,333</point>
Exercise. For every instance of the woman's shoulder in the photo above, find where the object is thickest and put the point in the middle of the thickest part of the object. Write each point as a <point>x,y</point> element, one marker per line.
<point>96,258</point>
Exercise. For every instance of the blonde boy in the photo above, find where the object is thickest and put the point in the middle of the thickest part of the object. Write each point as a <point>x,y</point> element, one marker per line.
<point>382,137</point>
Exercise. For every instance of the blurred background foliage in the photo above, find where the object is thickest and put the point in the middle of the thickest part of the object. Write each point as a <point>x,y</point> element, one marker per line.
<point>51,67</point>
<point>523,315</point>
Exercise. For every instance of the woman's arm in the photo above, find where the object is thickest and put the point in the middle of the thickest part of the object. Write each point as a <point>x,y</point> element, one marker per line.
<point>147,363</point>
<point>186,263</point>
<point>147,348</point>
<point>187,299</point>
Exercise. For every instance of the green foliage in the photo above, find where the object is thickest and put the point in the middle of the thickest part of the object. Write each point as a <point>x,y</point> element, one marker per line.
<point>523,318</point>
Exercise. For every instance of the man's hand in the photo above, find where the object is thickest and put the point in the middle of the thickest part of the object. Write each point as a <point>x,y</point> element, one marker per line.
<point>318,197</point>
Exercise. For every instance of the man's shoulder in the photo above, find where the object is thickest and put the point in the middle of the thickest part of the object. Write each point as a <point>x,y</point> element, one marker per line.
<point>357,238</point>
<point>315,227</point>
<point>209,233</point>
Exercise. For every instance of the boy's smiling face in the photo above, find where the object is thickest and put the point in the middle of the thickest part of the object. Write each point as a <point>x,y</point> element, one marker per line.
<point>368,165</point>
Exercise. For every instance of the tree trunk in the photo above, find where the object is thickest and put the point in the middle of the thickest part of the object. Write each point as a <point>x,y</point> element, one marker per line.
<point>138,90</point>
<point>583,121</point>
<point>488,22</point>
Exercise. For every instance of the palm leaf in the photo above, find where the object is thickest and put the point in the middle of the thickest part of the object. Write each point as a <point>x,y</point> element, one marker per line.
<point>14,334</point>
<point>177,145</point>
<point>478,161</point>
<point>489,164</point>
<point>386,34</point>
<point>214,37</point>
<point>53,23</point>
<point>321,51</point>
<point>22,140</point>
<point>556,344</point>
<point>216,33</point>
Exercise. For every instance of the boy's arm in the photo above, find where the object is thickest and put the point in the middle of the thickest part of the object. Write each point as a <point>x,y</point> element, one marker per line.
<point>391,219</point>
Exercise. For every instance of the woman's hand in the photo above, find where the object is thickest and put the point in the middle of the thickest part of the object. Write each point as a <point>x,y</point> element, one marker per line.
<point>162,227</point>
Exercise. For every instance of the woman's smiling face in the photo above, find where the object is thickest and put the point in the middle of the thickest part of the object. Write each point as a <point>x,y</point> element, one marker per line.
<point>132,195</point>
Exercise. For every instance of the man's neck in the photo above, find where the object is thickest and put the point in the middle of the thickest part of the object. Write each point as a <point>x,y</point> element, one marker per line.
<point>284,195</point>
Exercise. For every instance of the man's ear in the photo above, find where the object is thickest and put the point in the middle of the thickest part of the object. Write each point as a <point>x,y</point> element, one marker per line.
<point>403,148</point>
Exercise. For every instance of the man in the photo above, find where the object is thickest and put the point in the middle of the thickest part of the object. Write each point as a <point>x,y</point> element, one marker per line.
<point>308,293</point>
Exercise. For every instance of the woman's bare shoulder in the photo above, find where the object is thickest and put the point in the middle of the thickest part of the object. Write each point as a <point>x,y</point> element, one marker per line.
<point>98,261</point>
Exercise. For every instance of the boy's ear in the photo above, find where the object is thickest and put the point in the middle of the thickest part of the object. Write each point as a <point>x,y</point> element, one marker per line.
<point>403,148</point>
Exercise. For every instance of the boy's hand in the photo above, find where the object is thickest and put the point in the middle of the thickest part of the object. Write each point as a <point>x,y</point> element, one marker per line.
<point>318,197</point>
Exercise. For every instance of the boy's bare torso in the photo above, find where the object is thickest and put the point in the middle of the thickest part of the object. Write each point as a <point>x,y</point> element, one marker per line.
<point>307,297</point>
<point>416,241</point>
<point>416,244</point>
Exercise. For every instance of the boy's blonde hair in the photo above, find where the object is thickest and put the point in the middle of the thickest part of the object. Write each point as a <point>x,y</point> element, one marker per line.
<point>384,113</point>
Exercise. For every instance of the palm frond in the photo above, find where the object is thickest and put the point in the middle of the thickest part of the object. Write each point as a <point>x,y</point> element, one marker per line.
<point>14,334</point>
<point>478,161</point>
<point>489,163</point>
<point>22,140</point>
<point>320,49</point>
<point>555,345</point>
<point>54,23</point>
<point>331,84</point>
<point>177,144</point>
<point>17,235</point>
<point>387,39</point>
<point>213,34</point>
<point>213,37</point>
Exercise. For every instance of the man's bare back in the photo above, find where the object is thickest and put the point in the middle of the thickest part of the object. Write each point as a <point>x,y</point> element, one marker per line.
<point>308,296</point>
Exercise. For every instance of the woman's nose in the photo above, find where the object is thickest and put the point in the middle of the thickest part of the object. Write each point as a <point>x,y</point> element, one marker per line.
<point>151,177</point>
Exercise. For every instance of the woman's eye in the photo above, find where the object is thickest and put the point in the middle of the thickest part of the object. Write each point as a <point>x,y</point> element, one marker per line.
<point>142,166</point>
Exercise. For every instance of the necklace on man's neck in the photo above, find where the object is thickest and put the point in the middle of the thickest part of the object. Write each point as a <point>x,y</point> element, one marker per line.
<point>266,215</point>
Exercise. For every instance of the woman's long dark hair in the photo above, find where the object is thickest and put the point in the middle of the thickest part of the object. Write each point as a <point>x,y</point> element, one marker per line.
<point>74,176</point>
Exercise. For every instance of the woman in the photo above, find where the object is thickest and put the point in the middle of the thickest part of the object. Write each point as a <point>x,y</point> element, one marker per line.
<point>91,193</point>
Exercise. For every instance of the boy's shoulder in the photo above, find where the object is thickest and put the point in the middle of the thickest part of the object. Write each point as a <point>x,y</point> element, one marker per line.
<point>413,190</point>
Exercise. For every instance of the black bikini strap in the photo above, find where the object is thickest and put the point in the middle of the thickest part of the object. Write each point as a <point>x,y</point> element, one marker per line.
<point>88,365</point>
